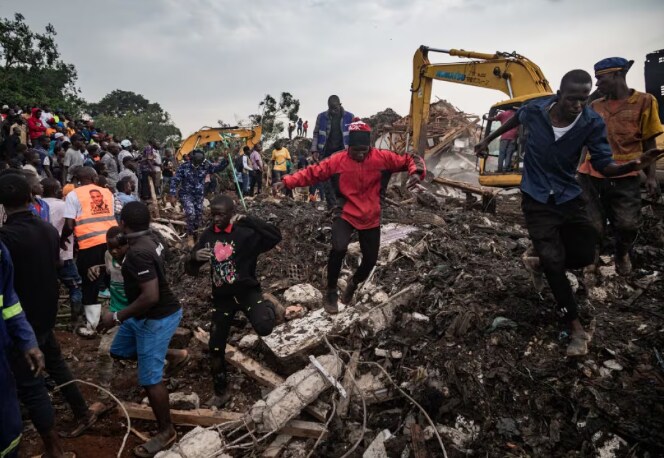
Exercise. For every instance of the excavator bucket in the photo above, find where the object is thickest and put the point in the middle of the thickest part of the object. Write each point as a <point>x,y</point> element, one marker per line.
<point>205,135</point>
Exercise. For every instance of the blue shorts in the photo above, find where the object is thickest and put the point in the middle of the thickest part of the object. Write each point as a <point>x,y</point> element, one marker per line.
<point>146,341</point>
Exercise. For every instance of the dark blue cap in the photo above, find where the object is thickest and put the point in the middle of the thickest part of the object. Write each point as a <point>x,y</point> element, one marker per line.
<point>612,64</point>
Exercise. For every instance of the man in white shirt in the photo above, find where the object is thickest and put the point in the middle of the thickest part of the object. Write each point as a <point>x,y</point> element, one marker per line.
<point>46,117</point>
<point>125,152</point>
<point>67,272</point>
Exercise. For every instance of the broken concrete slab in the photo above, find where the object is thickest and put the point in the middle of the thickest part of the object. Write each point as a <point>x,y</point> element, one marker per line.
<point>377,447</point>
<point>300,389</point>
<point>198,443</point>
<point>303,294</point>
<point>300,336</point>
<point>389,234</point>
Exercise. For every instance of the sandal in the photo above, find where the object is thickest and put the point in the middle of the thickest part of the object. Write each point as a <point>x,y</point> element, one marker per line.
<point>154,446</point>
<point>172,370</point>
<point>97,410</point>
<point>578,346</point>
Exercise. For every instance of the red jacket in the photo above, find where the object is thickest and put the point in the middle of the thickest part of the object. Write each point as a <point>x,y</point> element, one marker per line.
<point>35,126</point>
<point>360,183</point>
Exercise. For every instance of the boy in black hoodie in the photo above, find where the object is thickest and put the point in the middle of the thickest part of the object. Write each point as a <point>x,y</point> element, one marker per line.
<point>232,244</point>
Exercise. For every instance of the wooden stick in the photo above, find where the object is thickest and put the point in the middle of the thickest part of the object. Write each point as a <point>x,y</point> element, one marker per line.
<point>348,384</point>
<point>170,221</point>
<point>277,446</point>
<point>417,437</point>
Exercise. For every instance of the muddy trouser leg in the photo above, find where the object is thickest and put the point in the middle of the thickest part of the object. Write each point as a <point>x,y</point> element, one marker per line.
<point>341,232</point>
<point>369,245</point>
<point>553,231</point>
<point>222,317</point>
<point>509,151</point>
<point>87,258</point>
<point>69,276</point>
<point>59,371</point>
<point>327,191</point>
<point>502,150</point>
<point>624,209</point>
<point>32,393</point>
<point>188,206</point>
<point>260,312</point>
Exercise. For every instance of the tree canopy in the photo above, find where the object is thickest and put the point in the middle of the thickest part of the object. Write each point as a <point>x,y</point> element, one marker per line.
<point>31,71</point>
<point>127,114</point>
<point>274,113</point>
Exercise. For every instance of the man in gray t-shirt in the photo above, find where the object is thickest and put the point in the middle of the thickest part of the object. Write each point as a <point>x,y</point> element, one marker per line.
<point>73,157</point>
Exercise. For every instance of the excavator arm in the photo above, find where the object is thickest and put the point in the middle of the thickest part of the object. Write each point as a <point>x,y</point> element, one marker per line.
<point>509,73</point>
<point>206,135</point>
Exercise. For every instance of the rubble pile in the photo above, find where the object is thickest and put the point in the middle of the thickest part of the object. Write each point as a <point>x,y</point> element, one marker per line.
<point>452,318</point>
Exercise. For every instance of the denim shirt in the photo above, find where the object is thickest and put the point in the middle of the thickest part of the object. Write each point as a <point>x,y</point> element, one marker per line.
<point>550,165</point>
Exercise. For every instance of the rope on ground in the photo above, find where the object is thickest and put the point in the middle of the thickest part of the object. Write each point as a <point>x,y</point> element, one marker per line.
<point>126,436</point>
<point>433,425</point>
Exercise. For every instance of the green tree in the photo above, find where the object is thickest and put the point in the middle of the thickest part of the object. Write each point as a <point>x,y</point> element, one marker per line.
<point>274,113</point>
<point>127,114</point>
<point>31,71</point>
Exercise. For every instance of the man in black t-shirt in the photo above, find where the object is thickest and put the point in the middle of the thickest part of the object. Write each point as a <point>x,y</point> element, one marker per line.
<point>232,249</point>
<point>148,322</point>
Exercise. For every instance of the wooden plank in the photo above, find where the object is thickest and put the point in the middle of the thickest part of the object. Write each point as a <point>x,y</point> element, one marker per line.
<point>276,446</point>
<point>348,384</point>
<point>417,437</point>
<point>299,428</point>
<point>207,417</point>
<point>194,417</point>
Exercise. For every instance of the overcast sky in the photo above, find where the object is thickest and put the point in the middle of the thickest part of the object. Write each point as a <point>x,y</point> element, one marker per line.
<point>204,60</point>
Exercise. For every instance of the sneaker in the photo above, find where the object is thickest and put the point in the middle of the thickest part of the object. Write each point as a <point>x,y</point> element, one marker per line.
<point>348,293</point>
<point>104,294</point>
<point>532,264</point>
<point>623,264</point>
<point>331,303</point>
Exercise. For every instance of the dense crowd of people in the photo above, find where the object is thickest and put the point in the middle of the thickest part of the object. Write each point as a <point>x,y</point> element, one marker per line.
<point>74,216</point>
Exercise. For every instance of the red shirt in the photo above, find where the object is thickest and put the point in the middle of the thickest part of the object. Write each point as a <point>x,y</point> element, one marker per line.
<point>360,183</point>
<point>503,117</point>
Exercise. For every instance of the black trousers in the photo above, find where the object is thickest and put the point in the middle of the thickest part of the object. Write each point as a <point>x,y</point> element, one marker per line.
<point>87,258</point>
<point>369,245</point>
<point>256,177</point>
<point>261,315</point>
<point>617,200</point>
<point>564,237</point>
<point>32,391</point>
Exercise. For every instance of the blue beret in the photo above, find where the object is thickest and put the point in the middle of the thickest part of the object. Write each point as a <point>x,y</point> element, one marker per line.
<point>612,64</point>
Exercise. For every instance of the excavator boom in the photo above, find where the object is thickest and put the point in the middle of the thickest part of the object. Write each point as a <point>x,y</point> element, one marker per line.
<point>206,135</point>
<point>510,73</point>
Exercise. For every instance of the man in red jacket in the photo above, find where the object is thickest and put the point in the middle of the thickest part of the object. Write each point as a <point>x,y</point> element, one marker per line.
<point>35,126</point>
<point>362,174</point>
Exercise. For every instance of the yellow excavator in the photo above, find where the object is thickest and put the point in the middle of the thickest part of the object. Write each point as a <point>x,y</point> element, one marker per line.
<point>510,73</point>
<point>251,137</point>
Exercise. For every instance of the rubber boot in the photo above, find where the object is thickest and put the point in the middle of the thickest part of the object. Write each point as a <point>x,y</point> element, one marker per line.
<point>220,383</point>
<point>331,302</point>
<point>348,293</point>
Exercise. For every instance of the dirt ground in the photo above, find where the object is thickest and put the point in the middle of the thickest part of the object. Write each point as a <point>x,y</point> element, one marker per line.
<point>488,365</point>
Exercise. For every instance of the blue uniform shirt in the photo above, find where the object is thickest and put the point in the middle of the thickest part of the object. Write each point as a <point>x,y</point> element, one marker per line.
<point>550,165</point>
<point>191,180</point>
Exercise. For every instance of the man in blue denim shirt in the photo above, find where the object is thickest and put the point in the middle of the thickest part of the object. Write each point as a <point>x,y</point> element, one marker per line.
<point>556,130</point>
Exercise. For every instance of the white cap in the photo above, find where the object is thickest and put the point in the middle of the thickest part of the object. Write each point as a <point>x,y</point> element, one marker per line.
<point>58,135</point>
<point>125,143</point>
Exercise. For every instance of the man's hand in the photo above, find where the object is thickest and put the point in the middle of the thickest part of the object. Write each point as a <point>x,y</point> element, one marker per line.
<point>93,273</point>
<point>35,359</point>
<point>648,158</point>
<point>63,244</point>
<point>237,217</point>
<point>652,187</point>
<point>105,322</point>
<point>482,149</point>
<point>278,186</point>
<point>202,255</point>
<point>413,181</point>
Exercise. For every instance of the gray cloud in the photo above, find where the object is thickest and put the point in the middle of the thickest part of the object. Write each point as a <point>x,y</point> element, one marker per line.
<point>205,60</point>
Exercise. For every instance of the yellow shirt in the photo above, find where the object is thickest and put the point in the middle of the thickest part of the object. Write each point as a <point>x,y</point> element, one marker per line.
<point>280,157</point>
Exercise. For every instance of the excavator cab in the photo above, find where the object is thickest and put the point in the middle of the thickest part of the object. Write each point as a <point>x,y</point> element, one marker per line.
<point>488,167</point>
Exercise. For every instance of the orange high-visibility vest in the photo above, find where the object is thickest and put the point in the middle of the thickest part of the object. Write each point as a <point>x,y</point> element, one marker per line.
<point>97,215</point>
